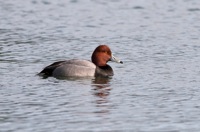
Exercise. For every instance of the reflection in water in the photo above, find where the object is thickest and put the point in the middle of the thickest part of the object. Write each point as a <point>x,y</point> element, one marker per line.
<point>101,86</point>
<point>101,90</point>
<point>97,81</point>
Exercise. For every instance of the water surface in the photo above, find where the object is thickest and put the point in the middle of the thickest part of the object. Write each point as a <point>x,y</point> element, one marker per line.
<point>156,89</point>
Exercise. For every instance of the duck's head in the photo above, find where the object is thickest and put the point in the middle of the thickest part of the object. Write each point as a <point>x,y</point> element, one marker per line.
<point>102,54</point>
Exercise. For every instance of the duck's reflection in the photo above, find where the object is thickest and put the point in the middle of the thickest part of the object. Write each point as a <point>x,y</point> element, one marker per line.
<point>101,91</point>
<point>101,86</point>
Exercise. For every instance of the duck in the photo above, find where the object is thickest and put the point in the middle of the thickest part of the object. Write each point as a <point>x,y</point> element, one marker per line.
<point>83,68</point>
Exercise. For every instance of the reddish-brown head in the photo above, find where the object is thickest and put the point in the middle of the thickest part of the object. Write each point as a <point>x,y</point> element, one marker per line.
<point>101,55</point>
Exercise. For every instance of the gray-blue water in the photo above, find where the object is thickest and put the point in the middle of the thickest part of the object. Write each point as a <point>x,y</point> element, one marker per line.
<point>156,89</point>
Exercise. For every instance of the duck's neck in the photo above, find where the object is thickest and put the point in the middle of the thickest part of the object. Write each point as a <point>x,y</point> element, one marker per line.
<point>104,70</point>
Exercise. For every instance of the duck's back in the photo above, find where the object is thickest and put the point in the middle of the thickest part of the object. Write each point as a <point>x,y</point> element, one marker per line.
<point>75,67</point>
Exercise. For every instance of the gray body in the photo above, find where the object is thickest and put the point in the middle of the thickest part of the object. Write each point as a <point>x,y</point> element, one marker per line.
<point>75,67</point>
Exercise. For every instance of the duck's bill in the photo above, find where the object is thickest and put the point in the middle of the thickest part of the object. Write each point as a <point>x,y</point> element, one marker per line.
<point>115,59</point>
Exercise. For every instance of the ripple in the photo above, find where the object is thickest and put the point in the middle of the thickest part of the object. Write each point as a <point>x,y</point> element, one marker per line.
<point>194,9</point>
<point>138,7</point>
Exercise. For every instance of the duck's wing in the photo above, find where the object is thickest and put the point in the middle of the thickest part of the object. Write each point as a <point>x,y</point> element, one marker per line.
<point>47,71</point>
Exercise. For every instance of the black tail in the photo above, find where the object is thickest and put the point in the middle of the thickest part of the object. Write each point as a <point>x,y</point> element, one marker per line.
<point>48,71</point>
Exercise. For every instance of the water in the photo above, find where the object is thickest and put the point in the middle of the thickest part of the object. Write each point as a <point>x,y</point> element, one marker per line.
<point>156,89</point>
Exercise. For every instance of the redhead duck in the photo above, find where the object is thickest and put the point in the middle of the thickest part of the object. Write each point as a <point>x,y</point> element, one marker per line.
<point>82,68</point>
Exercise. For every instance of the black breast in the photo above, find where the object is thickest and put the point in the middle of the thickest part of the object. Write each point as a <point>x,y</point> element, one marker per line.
<point>104,71</point>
